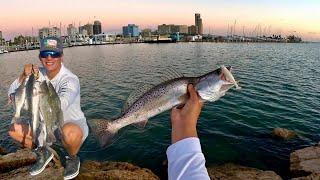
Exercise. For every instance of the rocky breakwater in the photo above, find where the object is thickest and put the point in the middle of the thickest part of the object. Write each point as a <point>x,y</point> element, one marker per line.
<point>15,166</point>
<point>231,171</point>
<point>305,163</point>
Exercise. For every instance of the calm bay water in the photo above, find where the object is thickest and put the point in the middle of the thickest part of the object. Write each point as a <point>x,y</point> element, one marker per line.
<point>280,88</point>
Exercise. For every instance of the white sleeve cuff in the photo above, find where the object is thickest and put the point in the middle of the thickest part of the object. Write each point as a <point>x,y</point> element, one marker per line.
<point>184,146</point>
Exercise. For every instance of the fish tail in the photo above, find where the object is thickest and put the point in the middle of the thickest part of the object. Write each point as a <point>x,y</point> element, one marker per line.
<point>103,130</point>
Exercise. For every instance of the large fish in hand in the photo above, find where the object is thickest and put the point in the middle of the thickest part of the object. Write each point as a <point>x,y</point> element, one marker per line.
<point>32,102</point>
<point>50,109</point>
<point>162,97</point>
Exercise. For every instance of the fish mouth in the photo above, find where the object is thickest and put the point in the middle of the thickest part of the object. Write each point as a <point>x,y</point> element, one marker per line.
<point>227,78</point>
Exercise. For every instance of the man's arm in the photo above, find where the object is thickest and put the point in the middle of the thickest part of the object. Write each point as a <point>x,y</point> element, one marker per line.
<point>185,157</point>
<point>68,90</point>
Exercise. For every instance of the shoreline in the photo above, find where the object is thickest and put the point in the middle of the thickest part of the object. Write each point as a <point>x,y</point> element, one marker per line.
<point>116,43</point>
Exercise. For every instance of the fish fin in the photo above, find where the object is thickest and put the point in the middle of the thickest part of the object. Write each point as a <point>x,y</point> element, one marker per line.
<point>141,124</point>
<point>135,95</point>
<point>103,130</point>
<point>168,74</point>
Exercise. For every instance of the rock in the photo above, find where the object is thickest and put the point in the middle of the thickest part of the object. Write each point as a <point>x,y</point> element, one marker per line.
<point>16,160</point>
<point>283,133</point>
<point>113,170</point>
<point>2,151</point>
<point>305,162</point>
<point>312,176</point>
<point>52,172</point>
<point>231,171</point>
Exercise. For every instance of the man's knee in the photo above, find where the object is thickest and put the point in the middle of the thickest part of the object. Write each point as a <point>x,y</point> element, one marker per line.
<point>72,133</point>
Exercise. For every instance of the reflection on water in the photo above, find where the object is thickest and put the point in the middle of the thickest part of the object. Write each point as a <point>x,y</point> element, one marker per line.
<point>280,88</point>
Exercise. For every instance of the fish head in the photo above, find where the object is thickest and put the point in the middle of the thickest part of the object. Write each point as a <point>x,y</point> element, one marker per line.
<point>215,84</point>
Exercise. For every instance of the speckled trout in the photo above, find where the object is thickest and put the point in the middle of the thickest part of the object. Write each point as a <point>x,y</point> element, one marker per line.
<point>162,97</point>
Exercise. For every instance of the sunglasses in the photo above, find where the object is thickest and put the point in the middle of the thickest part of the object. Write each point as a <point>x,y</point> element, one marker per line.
<point>45,54</point>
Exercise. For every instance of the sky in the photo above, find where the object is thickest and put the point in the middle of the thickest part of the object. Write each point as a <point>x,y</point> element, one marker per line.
<point>283,17</point>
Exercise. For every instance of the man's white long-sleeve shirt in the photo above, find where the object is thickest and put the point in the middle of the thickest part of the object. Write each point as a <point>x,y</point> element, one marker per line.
<point>186,160</point>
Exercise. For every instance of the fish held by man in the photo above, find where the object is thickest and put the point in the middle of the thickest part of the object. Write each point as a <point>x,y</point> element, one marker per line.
<point>50,109</point>
<point>162,97</point>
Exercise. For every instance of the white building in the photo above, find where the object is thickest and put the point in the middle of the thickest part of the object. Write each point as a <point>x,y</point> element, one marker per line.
<point>52,32</point>
<point>72,32</point>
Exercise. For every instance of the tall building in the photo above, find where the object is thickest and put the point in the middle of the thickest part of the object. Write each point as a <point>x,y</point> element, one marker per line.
<point>193,30</point>
<point>46,32</point>
<point>72,32</point>
<point>86,29</point>
<point>165,29</point>
<point>131,30</point>
<point>198,23</point>
<point>97,27</point>
<point>1,40</point>
<point>171,28</point>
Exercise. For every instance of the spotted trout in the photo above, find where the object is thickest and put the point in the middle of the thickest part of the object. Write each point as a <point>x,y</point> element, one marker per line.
<point>162,97</point>
<point>50,109</point>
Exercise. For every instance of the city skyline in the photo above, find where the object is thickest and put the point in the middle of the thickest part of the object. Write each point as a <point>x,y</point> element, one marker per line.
<point>285,17</point>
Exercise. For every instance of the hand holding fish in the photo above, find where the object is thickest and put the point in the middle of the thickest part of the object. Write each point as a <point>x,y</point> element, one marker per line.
<point>184,120</point>
<point>27,70</point>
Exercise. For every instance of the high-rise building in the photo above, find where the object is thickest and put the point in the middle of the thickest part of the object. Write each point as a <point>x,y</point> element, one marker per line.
<point>198,23</point>
<point>52,32</point>
<point>131,30</point>
<point>97,27</point>
<point>165,29</point>
<point>72,32</point>
<point>1,40</point>
<point>193,30</point>
<point>171,28</point>
<point>86,30</point>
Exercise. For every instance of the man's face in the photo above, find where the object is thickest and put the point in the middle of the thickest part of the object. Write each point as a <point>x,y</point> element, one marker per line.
<point>52,64</point>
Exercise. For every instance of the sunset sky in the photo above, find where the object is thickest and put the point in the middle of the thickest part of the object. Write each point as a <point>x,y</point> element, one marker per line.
<point>296,17</point>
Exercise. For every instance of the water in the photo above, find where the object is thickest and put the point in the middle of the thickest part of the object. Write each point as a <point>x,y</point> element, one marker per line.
<point>280,88</point>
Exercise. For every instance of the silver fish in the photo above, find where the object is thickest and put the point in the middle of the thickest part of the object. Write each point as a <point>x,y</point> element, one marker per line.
<point>19,100</point>
<point>162,97</point>
<point>32,101</point>
<point>50,109</point>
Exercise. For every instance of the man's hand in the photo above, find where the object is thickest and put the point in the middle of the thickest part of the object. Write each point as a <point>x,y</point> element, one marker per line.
<point>27,70</point>
<point>184,120</point>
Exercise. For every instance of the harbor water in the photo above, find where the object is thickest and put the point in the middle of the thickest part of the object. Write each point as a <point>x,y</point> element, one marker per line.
<point>280,88</point>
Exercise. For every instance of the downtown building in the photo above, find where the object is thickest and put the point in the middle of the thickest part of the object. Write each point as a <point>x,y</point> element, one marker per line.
<point>131,30</point>
<point>97,27</point>
<point>171,28</point>
<point>86,30</point>
<point>49,32</point>
<point>198,23</point>
<point>1,39</point>
<point>72,32</point>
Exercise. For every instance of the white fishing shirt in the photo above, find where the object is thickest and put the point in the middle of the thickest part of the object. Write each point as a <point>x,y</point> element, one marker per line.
<point>186,160</point>
<point>67,87</point>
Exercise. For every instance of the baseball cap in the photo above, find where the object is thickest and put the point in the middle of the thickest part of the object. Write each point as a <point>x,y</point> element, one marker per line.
<point>51,44</point>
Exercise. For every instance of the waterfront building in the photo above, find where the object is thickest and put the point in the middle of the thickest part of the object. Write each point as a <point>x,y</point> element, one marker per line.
<point>46,32</point>
<point>131,30</point>
<point>193,30</point>
<point>164,29</point>
<point>182,29</point>
<point>171,28</point>
<point>146,33</point>
<point>198,23</point>
<point>97,27</point>
<point>1,39</point>
<point>86,30</point>
<point>72,32</point>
